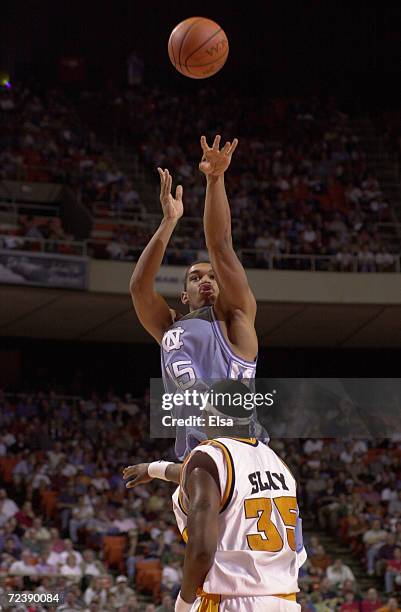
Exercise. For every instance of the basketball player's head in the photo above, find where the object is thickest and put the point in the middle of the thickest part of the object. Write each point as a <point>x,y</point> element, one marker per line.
<point>200,286</point>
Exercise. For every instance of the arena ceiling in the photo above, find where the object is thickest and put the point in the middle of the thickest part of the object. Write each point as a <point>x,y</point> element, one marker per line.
<point>68,315</point>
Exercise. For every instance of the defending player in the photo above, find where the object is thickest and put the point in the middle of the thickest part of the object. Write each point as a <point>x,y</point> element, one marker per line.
<point>236,508</point>
<point>217,338</point>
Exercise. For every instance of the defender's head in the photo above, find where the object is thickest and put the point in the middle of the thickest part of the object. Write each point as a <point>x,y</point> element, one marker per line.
<point>230,409</point>
<point>200,286</point>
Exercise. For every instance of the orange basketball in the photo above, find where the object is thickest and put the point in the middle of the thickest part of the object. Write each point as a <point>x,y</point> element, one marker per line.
<point>198,47</point>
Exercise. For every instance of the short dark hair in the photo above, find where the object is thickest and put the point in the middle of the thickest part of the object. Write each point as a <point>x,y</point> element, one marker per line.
<point>198,261</point>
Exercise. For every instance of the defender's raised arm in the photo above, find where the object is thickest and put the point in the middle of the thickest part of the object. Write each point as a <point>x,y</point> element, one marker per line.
<point>151,308</point>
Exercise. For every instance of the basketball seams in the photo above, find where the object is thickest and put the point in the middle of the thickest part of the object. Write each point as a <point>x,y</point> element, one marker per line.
<point>179,44</point>
<point>215,61</point>
<point>203,44</point>
<point>184,37</point>
<point>218,62</point>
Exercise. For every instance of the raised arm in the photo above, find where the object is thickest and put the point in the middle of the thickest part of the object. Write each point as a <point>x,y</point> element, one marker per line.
<point>235,293</point>
<point>151,308</point>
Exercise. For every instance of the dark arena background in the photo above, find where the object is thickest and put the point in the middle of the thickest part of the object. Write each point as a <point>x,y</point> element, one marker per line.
<point>90,105</point>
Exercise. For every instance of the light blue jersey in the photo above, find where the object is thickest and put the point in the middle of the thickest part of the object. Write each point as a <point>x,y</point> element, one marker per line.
<point>194,352</point>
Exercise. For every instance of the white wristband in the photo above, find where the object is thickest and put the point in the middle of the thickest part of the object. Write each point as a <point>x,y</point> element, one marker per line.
<point>157,469</point>
<point>181,605</point>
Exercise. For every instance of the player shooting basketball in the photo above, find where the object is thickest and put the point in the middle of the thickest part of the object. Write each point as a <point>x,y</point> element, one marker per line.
<point>236,507</point>
<point>217,338</point>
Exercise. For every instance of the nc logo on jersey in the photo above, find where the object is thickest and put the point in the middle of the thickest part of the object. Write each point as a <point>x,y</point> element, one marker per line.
<point>171,339</point>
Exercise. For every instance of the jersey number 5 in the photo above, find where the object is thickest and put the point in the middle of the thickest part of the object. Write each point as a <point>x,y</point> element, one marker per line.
<point>261,508</point>
<point>182,374</point>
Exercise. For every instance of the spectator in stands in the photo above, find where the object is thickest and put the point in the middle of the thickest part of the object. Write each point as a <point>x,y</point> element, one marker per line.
<point>314,487</point>
<point>326,589</point>
<point>67,500</point>
<point>100,525</point>
<point>24,567</point>
<point>328,505</point>
<point>43,567</point>
<point>25,516</point>
<point>116,250</point>
<point>321,559</point>
<point>44,586</point>
<point>121,592</point>
<point>166,605</point>
<point>351,604</point>
<point>344,260</point>
<point>95,591</point>
<point>374,538</point>
<point>8,507</point>
<point>40,478</point>
<point>312,446</point>
<point>390,606</point>
<point>384,260</point>
<point>37,536</point>
<point>24,467</point>
<point>171,577</point>
<point>57,544</point>
<point>69,549</point>
<point>394,506</point>
<point>393,570</point>
<point>338,573</point>
<point>50,558</point>
<point>11,548</point>
<point>123,523</point>
<point>371,602</point>
<point>71,568</point>
<point>55,455</point>
<point>80,516</point>
<point>366,259</point>
<point>32,230</point>
<point>133,604</point>
<point>90,566</point>
<point>385,553</point>
<point>72,603</point>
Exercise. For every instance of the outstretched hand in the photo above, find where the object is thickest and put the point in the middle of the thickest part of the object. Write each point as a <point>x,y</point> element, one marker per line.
<point>215,161</point>
<point>136,475</point>
<point>173,208</point>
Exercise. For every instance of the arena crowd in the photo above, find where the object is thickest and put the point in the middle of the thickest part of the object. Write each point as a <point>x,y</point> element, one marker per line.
<point>300,183</point>
<point>69,525</point>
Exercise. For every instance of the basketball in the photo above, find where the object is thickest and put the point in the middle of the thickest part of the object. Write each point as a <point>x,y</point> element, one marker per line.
<point>198,47</point>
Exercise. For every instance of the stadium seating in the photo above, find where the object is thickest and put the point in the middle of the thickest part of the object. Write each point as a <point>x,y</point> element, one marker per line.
<point>351,509</point>
<point>301,191</point>
<point>114,549</point>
